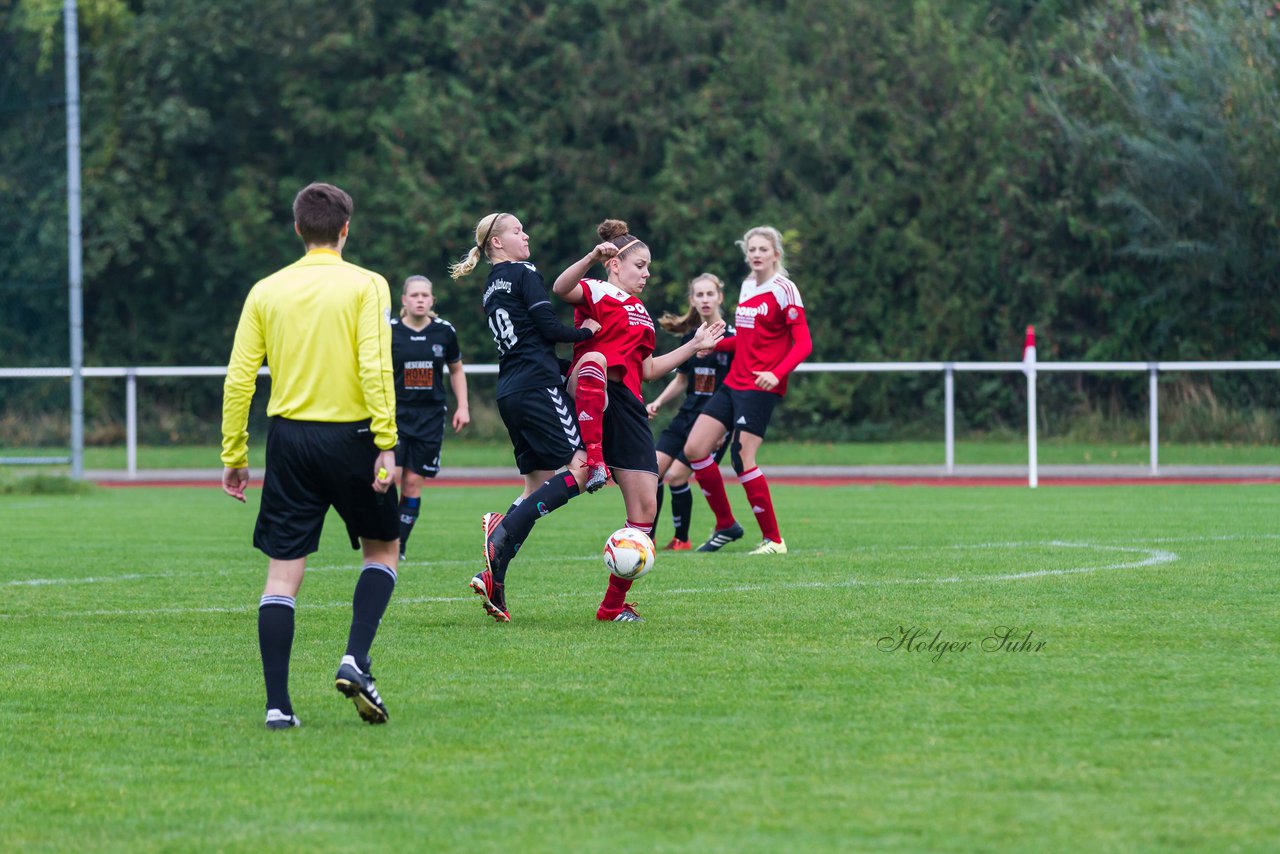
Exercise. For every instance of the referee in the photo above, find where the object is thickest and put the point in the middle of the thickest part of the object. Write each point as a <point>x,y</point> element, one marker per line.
<point>323,326</point>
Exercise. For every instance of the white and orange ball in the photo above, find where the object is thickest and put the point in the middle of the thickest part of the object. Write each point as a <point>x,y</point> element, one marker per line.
<point>629,553</point>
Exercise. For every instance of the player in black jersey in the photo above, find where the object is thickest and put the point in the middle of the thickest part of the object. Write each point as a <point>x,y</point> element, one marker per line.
<point>532,400</point>
<point>531,396</point>
<point>698,378</point>
<point>422,343</point>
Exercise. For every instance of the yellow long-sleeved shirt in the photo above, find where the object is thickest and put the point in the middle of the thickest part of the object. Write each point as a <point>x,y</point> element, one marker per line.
<point>323,326</point>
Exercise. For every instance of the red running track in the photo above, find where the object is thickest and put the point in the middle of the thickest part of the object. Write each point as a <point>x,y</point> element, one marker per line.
<point>841,480</point>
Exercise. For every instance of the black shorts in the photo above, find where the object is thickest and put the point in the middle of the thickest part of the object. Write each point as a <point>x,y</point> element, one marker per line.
<point>543,428</point>
<point>627,440</point>
<point>672,440</point>
<point>742,411</point>
<point>420,453</point>
<point>312,466</point>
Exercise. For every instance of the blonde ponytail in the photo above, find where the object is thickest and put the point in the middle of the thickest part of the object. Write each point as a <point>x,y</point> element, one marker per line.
<point>485,229</point>
<point>466,265</point>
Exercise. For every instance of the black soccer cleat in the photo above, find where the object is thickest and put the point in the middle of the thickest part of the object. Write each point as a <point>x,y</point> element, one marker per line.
<point>722,538</point>
<point>357,685</point>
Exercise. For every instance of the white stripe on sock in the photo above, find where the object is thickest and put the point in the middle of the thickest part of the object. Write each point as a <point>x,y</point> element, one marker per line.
<point>381,567</point>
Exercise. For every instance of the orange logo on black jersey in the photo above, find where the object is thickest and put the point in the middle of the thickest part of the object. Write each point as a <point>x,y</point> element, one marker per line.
<point>704,380</point>
<point>419,375</point>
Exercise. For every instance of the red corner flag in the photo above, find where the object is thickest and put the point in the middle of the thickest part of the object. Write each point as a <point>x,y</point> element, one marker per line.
<point>1029,348</point>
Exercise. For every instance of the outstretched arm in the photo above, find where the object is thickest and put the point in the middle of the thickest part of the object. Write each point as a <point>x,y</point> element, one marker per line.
<point>566,285</point>
<point>550,327</point>
<point>704,339</point>
<point>726,345</point>
<point>538,304</point>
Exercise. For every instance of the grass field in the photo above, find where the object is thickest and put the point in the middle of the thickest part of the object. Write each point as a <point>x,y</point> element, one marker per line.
<point>462,454</point>
<point>765,705</point>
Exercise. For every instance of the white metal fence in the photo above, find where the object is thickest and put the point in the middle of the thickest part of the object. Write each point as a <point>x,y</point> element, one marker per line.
<point>947,369</point>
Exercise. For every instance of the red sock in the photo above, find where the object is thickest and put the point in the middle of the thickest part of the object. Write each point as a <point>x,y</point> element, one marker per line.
<point>616,595</point>
<point>590,400</point>
<point>709,480</point>
<point>757,489</point>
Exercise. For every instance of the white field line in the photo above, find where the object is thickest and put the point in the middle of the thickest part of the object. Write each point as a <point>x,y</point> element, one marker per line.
<point>238,609</point>
<point>52,582</point>
<point>1146,557</point>
<point>1153,557</point>
<point>870,549</point>
<point>258,567</point>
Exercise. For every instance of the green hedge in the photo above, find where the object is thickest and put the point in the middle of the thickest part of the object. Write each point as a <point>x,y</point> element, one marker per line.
<point>945,172</point>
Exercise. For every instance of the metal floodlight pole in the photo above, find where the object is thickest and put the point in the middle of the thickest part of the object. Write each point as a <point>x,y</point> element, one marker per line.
<point>74,248</point>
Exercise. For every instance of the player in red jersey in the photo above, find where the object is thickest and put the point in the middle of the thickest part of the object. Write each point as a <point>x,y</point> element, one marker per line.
<point>772,339</point>
<point>607,370</point>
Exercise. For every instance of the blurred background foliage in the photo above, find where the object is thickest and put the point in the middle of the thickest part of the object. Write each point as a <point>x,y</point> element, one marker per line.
<point>946,173</point>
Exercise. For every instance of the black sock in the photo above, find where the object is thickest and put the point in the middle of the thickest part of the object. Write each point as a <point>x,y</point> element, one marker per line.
<point>373,592</point>
<point>552,495</point>
<point>409,509</point>
<point>275,642</point>
<point>657,514</point>
<point>681,509</point>
<point>514,505</point>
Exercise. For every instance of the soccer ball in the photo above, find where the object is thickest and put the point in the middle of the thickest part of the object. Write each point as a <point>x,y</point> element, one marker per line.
<point>628,553</point>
